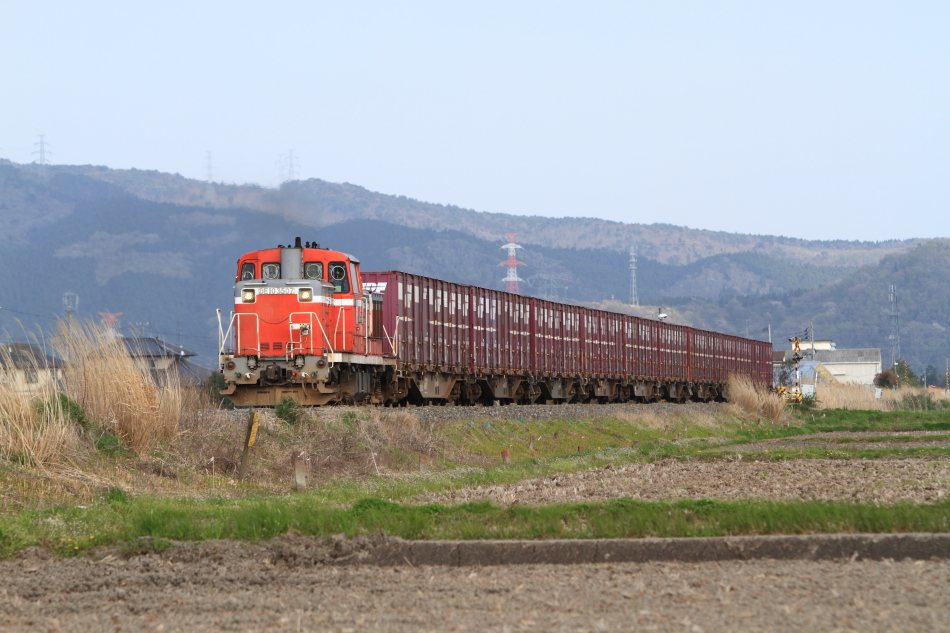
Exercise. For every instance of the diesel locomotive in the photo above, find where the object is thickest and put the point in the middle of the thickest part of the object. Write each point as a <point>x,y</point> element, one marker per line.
<point>309,324</point>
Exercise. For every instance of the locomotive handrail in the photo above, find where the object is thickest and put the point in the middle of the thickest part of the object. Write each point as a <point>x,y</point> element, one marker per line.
<point>236,318</point>
<point>392,339</point>
<point>340,318</point>
<point>221,333</point>
<point>313,317</point>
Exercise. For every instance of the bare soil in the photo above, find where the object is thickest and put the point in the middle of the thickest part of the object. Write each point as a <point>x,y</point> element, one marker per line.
<point>877,480</point>
<point>243,587</point>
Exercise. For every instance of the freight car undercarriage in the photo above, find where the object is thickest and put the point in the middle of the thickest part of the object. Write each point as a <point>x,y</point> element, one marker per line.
<point>382,384</point>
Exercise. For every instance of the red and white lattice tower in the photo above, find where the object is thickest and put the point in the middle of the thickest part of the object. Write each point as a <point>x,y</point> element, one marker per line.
<point>111,321</point>
<point>511,281</point>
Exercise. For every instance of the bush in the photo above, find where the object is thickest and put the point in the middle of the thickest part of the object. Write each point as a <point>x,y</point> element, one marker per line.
<point>885,380</point>
<point>289,410</point>
<point>918,402</point>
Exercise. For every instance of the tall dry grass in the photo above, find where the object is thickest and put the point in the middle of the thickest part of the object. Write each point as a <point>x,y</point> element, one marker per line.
<point>34,428</point>
<point>860,397</point>
<point>755,399</point>
<point>122,399</point>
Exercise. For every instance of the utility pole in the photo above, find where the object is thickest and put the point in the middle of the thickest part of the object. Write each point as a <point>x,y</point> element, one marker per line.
<point>895,325</point>
<point>634,299</point>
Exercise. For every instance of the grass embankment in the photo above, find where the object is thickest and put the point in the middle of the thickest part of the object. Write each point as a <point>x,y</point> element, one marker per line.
<point>72,530</point>
<point>339,504</point>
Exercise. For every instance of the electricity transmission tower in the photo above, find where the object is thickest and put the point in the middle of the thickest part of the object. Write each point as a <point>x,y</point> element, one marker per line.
<point>71,302</point>
<point>210,193</point>
<point>634,299</point>
<point>287,167</point>
<point>41,153</point>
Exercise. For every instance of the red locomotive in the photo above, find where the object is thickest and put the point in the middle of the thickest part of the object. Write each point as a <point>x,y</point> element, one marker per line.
<point>307,323</point>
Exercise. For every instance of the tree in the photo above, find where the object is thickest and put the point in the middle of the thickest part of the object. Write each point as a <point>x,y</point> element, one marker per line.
<point>885,380</point>
<point>905,375</point>
<point>933,377</point>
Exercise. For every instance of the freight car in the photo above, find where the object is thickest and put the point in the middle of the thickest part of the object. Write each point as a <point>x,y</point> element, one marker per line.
<point>309,324</point>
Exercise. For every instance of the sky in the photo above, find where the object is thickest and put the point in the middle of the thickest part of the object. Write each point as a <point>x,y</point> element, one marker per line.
<point>826,120</point>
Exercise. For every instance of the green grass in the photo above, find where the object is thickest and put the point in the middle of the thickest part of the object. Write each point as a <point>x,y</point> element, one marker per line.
<point>72,530</point>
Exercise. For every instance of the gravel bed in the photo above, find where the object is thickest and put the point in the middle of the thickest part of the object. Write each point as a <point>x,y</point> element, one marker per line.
<point>866,480</point>
<point>239,589</point>
<point>525,412</point>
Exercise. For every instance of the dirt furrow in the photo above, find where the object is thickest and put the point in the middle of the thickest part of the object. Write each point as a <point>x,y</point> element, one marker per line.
<point>877,480</point>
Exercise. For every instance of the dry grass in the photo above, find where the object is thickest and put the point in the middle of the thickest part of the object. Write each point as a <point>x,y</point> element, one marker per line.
<point>115,396</point>
<point>666,422</point>
<point>34,430</point>
<point>755,399</point>
<point>104,380</point>
<point>859,397</point>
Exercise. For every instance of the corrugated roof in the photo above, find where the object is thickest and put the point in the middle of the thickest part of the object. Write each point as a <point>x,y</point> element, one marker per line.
<point>868,355</point>
<point>26,356</point>
<point>152,347</point>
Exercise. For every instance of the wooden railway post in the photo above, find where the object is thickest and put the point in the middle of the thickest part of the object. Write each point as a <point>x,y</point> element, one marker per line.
<point>252,422</point>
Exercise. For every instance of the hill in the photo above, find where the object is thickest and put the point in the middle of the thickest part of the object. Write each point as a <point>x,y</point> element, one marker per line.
<point>160,249</point>
<point>853,311</point>
<point>319,203</point>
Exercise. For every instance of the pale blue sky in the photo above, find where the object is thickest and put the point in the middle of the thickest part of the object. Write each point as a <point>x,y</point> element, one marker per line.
<point>810,119</point>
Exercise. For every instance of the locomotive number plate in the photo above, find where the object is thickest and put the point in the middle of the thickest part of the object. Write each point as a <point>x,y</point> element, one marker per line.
<point>277,291</point>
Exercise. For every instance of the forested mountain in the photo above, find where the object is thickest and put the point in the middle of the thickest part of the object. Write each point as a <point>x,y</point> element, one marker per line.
<point>160,249</point>
<point>318,203</point>
<point>854,311</point>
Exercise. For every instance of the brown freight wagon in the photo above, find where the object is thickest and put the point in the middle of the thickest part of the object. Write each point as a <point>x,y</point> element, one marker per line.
<point>458,344</point>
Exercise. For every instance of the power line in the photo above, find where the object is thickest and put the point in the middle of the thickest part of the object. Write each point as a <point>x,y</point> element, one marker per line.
<point>42,316</point>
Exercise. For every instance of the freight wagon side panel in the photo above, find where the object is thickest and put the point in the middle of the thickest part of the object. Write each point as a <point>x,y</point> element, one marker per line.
<point>514,333</point>
<point>603,344</point>
<point>557,338</point>
<point>390,285</point>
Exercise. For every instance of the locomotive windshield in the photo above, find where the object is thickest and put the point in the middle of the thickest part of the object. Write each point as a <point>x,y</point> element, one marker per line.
<point>313,270</point>
<point>338,277</point>
<point>247,271</point>
<point>270,271</point>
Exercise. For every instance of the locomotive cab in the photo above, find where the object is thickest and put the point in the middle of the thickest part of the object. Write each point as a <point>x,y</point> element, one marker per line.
<point>298,311</point>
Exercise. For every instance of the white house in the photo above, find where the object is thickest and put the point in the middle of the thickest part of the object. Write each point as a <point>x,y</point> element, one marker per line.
<point>26,368</point>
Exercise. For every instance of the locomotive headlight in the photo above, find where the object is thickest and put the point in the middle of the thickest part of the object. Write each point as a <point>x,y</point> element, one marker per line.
<point>247,296</point>
<point>306,294</point>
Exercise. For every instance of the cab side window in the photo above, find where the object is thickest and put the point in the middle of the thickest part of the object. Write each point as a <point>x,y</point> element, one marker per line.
<point>338,277</point>
<point>355,276</point>
<point>313,270</point>
<point>247,271</point>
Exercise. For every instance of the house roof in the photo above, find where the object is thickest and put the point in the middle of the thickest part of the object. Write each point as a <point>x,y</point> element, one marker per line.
<point>832,356</point>
<point>26,356</point>
<point>152,347</point>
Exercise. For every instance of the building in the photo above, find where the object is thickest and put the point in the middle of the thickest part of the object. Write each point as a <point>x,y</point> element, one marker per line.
<point>26,368</point>
<point>165,361</point>
<point>858,366</point>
